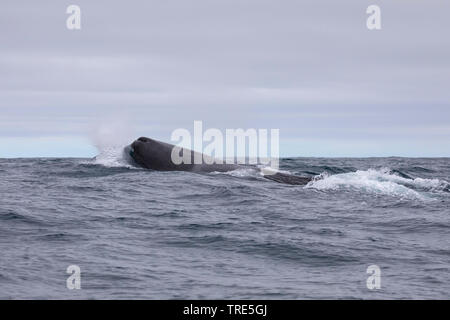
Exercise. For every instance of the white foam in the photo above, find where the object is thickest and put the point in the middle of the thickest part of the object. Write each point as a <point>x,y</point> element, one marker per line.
<point>378,181</point>
<point>112,157</point>
<point>252,172</point>
<point>267,171</point>
<point>240,173</point>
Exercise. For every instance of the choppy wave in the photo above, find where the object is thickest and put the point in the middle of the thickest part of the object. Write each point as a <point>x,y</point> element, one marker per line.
<point>379,181</point>
<point>112,157</point>
<point>232,234</point>
<point>383,181</point>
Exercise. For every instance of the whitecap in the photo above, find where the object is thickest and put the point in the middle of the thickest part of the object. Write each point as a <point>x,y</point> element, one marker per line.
<point>378,181</point>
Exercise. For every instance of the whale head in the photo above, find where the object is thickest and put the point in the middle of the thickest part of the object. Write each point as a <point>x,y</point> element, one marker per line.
<point>151,154</point>
<point>139,150</point>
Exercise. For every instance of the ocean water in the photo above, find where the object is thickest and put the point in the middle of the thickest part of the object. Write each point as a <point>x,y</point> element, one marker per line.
<point>139,234</point>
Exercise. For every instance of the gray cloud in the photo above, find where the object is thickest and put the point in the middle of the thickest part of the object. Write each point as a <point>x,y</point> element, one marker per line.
<point>310,68</point>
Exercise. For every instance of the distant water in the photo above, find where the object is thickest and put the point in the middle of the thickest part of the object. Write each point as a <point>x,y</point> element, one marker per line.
<point>172,235</point>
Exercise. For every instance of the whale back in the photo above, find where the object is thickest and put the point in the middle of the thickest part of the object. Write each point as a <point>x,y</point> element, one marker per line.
<point>157,155</point>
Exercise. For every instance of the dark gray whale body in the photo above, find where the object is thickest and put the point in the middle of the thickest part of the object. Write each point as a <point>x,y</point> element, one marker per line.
<point>157,155</point>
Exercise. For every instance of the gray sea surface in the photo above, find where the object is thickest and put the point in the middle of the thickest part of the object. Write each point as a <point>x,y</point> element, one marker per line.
<point>141,234</point>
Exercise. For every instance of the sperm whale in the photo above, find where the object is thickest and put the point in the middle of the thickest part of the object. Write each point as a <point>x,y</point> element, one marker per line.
<point>157,155</point>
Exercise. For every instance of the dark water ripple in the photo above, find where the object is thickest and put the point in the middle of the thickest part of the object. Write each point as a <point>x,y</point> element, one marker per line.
<point>143,234</point>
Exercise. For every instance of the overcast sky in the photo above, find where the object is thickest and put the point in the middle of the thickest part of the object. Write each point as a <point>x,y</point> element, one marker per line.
<point>310,68</point>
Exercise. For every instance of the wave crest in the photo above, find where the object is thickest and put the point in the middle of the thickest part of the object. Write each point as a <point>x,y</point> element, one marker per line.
<point>378,181</point>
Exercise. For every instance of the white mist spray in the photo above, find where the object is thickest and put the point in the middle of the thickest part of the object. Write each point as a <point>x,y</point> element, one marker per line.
<point>110,136</point>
